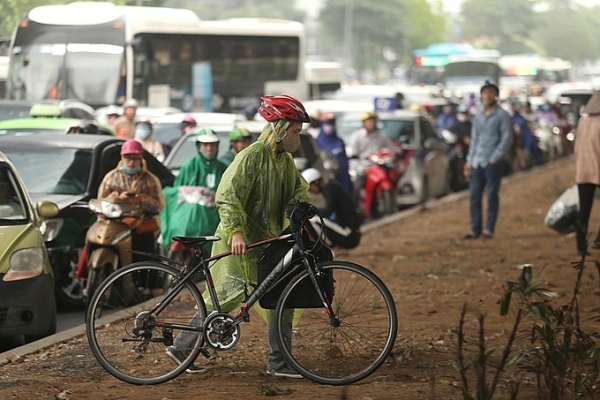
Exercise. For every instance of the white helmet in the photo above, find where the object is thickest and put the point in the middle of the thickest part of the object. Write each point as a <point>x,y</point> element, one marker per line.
<point>311,175</point>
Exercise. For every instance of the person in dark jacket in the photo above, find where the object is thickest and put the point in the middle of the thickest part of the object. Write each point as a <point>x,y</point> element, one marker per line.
<point>341,230</point>
<point>331,143</point>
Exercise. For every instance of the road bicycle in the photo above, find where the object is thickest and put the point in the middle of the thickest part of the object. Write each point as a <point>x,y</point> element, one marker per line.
<point>345,331</point>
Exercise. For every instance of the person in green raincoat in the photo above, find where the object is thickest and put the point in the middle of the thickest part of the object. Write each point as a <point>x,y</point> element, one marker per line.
<point>239,138</point>
<point>190,208</point>
<point>252,200</point>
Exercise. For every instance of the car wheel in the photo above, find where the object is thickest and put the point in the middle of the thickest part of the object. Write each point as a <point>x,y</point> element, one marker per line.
<point>69,288</point>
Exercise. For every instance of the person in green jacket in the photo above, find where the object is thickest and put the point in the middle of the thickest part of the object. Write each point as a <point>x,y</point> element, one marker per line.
<point>251,200</point>
<point>239,138</point>
<point>190,208</point>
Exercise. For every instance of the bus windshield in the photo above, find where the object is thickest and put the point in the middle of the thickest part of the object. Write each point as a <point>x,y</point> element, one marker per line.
<point>78,63</point>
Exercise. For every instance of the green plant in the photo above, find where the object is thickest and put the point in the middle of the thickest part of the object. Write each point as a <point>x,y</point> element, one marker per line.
<point>564,358</point>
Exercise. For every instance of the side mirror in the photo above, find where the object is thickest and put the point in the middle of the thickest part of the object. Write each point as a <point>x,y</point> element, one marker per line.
<point>47,209</point>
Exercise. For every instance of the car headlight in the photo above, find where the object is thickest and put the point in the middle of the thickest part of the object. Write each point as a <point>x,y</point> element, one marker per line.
<point>51,228</point>
<point>25,264</point>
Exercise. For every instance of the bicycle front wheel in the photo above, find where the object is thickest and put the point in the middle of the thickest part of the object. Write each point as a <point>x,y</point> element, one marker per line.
<point>352,343</point>
<point>125,334</point>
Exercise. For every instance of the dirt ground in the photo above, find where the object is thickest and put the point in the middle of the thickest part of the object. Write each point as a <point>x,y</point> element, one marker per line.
<point>431,274</point>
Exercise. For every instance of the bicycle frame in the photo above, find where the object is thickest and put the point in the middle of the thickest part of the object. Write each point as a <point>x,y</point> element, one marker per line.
<point>242,315</point>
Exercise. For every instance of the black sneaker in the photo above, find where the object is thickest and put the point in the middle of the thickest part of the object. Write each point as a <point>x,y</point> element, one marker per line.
<point>179,356</point>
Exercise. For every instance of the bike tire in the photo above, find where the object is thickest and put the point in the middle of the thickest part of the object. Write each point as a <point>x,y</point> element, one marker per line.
<point>360,340</point>
<point>96,276</point>
<point>121,302</point>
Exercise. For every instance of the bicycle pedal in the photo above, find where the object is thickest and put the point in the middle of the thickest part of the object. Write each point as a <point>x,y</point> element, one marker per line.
<point>205,352</point>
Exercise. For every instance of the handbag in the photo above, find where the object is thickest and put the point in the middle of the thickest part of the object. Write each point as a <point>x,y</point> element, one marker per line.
<point>304,294</point>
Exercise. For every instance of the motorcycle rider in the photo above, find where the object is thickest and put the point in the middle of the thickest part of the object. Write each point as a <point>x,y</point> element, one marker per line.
<point>364,142</point>
<point>190,204</point>
<point>330,142</point>
<point>132,180</point>
<point>125,124</point>
<point>342,222</point>
<point>239,138</point>
<point>457,153</point>
<point>143,134</point>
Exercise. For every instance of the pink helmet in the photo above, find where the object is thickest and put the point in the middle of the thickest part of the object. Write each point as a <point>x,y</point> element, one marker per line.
<point>132,146</point>
<point>282,107</point>
<point>188,119</point>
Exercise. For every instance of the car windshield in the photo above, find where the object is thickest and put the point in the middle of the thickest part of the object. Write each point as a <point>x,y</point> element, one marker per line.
<point>60,171</point>
<point>166,132</point>
<point>11,198</point>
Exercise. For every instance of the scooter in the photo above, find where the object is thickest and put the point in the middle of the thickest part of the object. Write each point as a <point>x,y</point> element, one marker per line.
<point>381,180</point>
<point>108,241</point>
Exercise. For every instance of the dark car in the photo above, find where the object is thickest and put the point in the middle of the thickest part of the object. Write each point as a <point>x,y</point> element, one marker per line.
<point>67,170</point>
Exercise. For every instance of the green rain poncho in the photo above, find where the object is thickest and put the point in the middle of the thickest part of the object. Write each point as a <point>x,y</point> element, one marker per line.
<point>190,204</point>
<point>252,199</point>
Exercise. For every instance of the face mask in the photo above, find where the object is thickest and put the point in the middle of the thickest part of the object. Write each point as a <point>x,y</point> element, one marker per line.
<point>327,129</point>
<point>142,133</point>
<point>130,171</point>
<point>290,142</point>
<point>208,154</point>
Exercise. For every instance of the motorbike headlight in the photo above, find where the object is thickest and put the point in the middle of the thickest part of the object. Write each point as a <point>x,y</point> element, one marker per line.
<point>51,228</point>
<point>112,210</point>
<point>556,130</point>
<point>25,264</point>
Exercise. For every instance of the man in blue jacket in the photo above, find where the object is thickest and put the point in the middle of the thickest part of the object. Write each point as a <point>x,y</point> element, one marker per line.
<point>491,137</point>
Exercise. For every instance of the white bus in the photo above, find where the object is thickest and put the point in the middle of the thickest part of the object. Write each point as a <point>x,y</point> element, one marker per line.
<point>324,78</point>
<point>101,54</point>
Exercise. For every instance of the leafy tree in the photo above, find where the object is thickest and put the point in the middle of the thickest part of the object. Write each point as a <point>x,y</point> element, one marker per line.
<point>569,33</point>
<point>499,24</point>
<point>389,28</point>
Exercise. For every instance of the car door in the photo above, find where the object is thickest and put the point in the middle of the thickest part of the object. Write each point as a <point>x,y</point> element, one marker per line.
<point>431,152</point>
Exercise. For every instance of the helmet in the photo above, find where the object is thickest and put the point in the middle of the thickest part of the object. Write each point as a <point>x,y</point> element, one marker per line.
<point>239,134</point>
<point>250,111</point>
<point>188,119</point>
<point>207,136</point>
<point>311,175</point>
<point>132,146</point>
<point>282,107</point>
<point>490,84</point>
<point>130,103</point>
<point>368,115</point>
<point>330,117</point>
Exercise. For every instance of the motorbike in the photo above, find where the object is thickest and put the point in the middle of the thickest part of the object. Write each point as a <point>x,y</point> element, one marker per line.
<point>108,241</point>
<point>381,178</point>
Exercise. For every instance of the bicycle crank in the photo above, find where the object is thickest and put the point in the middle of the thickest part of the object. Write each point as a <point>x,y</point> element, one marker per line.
<point>221,331</point>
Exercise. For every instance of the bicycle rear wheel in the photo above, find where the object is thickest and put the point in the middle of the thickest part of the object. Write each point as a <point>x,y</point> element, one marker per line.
<point>349,345</point>
<point>125,335</point>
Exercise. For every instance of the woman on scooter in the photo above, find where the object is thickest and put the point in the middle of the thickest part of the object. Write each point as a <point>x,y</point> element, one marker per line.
<point>132,180</point>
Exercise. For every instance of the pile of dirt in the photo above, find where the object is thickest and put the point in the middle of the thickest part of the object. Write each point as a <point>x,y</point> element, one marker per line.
<point>431,274</point>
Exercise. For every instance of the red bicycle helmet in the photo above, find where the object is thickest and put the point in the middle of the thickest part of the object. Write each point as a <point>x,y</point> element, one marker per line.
<point>282,107</point>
